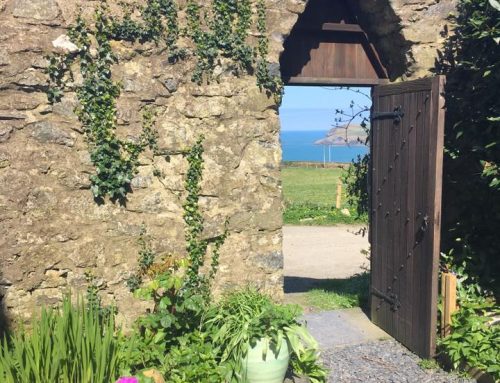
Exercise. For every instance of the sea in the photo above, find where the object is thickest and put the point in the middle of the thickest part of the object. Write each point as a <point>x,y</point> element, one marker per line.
<point>299,146</point>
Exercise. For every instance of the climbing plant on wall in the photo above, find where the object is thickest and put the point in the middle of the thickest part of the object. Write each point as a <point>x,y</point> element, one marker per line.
<point>218,34</point>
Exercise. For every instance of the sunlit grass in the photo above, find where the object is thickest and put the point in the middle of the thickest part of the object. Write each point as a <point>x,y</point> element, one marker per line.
<point>310,197</point>
<point>310,185</point>
<point>340,293</point>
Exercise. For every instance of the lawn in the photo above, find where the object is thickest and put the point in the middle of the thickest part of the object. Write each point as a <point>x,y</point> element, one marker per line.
<point>310,185</point>
<point>310,196</point>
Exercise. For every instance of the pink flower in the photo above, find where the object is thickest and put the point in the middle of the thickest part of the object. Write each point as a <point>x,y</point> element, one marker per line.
<point>128,379</point>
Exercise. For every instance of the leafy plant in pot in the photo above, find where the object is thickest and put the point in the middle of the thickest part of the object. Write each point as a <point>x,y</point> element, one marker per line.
<point>258,339</point>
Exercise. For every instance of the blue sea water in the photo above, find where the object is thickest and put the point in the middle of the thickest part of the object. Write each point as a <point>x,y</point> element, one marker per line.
<point>299,146</point>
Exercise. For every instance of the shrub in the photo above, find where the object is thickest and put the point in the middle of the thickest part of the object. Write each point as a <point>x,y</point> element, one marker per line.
<point>471,189</point>
<point>194,360</point>
<point>473,340</point>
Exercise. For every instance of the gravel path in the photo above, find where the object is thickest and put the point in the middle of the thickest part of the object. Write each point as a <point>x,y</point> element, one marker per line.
<point>351,349</point>
<point>381,362</point>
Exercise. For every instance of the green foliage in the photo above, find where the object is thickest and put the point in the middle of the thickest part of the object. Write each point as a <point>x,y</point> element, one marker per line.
<point>471,210</point>
<point>178,286</point>
<point>428,364</point>
<point>473,340</point>
<point>145,260</point>
<point>94,301</point>
<point>318,214</point>
<point>196,245</point>
<point>144,349</point>
<point>194,360</point>
<point>115,160</point>
<point>336,294</point>
<point>224,33</point>
<point>243,317</point>
<point>304,359</point>
<point>355,177</point>
<point>73,345</point>
<point>58,66</point>
<point>158,22</point>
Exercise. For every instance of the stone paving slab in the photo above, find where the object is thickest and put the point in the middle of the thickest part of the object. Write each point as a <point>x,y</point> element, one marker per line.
<point>343,327</point>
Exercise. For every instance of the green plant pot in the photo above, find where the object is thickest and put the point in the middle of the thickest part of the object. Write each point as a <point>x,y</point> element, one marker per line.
<point>266,367</point>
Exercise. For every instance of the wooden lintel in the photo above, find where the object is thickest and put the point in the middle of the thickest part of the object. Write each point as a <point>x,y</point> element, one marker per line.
<point>334,81</point>
<point>338,27</point>
<point>333,27</point>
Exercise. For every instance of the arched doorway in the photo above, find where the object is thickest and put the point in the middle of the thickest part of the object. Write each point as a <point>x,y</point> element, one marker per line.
<point>328,46</point>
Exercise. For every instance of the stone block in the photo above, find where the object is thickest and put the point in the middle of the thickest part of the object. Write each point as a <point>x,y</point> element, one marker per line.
<point>46,132</point>
<point>5,132</point>
<point>39,10</point>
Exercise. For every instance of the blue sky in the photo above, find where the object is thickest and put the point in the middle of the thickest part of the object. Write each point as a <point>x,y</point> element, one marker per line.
<point>313,108</point>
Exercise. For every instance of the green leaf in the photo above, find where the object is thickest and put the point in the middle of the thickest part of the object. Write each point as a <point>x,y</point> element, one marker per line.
<point>495,4</point>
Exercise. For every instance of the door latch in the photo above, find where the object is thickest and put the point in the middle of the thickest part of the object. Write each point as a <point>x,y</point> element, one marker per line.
<point>391,298</point>
<point>397,115</point>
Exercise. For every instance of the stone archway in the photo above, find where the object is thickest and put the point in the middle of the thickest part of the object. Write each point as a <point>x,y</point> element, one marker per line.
<point>406,34</point>
<point>329,45</point>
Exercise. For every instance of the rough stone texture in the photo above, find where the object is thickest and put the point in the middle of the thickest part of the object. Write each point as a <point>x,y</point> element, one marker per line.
<point>42,10</point>
<point>406,33</point>
<point>51,230</point>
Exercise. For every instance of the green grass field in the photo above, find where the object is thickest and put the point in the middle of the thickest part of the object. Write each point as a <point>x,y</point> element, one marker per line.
<point>310,196</point>
<point>310,185</point>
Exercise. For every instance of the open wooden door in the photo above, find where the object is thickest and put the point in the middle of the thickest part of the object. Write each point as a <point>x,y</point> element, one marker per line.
<point>406,176</point>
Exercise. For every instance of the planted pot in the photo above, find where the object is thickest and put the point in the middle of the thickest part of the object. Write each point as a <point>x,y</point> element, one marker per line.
<point>265,363</point>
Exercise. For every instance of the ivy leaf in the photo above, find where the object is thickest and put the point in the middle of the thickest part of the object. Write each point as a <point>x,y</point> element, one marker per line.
<point>495,4</point>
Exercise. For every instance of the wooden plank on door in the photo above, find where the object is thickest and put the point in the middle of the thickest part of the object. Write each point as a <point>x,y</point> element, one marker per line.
<point>406,169</point>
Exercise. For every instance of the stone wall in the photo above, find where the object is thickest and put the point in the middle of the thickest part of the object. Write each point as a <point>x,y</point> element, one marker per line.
<point>406,33</point>
<point>52,231</point>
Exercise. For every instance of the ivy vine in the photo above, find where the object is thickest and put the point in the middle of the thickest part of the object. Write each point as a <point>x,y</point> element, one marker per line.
<point>223,34</point>
<point>196,245</point>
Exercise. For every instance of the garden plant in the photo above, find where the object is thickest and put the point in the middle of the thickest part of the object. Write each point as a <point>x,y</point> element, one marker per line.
<point>186,337</point>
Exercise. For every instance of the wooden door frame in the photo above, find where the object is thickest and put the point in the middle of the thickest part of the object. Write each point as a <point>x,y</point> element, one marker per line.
<point>434,187</point>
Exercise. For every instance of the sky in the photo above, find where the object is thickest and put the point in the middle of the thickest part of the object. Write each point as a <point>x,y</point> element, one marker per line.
<point>313,107</point>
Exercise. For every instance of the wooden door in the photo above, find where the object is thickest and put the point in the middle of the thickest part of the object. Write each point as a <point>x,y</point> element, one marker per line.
<point>406,174</point>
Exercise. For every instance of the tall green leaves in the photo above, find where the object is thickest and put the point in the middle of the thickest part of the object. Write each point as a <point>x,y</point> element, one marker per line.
<point>73,345</point>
